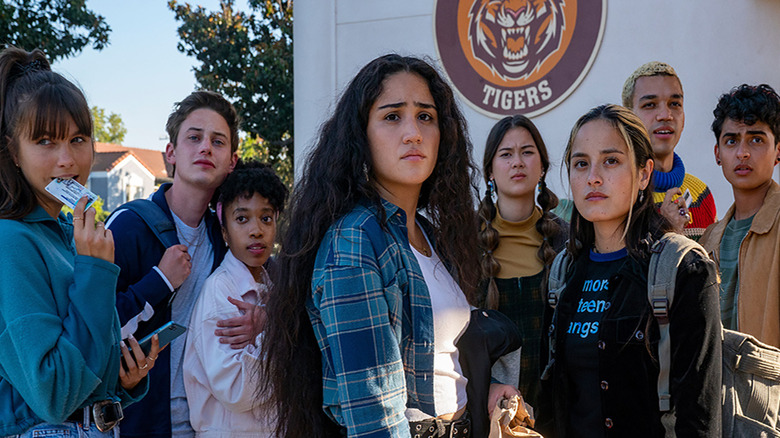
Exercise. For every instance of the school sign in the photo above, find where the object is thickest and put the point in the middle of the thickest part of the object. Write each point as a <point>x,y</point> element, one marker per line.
<point>517,56</point>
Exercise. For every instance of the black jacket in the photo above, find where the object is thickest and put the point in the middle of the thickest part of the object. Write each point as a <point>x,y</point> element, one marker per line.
<point>628,366</point>
<point>488,336</point>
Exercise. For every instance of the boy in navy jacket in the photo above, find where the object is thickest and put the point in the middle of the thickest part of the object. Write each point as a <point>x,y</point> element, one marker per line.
<point>202,149</point>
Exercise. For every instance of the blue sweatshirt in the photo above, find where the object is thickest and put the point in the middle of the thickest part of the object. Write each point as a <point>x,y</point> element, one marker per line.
<point>59,329</point>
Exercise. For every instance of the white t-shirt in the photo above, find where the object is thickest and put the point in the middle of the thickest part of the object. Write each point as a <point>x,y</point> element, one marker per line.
<point>451,314</point>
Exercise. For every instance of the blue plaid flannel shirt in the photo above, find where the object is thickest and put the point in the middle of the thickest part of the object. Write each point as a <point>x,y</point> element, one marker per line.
<point>371,313</point>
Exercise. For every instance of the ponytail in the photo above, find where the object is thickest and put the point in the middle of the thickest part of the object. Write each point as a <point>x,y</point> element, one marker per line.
<point>16,196</point>
<point>34,102</point>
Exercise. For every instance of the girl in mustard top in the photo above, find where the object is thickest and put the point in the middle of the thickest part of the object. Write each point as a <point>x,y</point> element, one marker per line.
<point>519,235</point>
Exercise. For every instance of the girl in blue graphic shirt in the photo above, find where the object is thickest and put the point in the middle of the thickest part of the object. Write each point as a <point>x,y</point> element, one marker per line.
<point>604,371</point>
<point>60,365</point>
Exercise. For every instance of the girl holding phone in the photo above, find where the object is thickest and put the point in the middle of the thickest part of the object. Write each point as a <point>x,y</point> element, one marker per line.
<point>60,370</point>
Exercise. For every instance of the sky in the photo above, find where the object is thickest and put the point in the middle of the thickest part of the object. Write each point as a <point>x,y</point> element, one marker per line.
<point>141,74</point>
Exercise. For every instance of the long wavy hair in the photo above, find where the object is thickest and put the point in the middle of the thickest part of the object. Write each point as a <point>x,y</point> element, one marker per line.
<point>336,178</point>
<point>546,226</point>
<point>34,102</point>
<point>643,223</point>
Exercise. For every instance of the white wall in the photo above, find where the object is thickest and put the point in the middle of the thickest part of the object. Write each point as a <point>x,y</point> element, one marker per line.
<point>713,44</point>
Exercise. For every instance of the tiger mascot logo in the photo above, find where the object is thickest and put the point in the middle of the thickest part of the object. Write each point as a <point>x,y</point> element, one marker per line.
<point>514,37</point>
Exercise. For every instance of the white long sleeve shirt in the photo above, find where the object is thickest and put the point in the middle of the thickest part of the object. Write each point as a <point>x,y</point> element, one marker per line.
<point>220,381</point>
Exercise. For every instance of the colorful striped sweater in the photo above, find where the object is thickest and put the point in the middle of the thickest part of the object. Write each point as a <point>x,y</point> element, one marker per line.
<point>702,207</point>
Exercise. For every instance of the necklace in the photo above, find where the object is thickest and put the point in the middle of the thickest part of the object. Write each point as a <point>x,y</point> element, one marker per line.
<point>424,250</point>
<point>195,242</point>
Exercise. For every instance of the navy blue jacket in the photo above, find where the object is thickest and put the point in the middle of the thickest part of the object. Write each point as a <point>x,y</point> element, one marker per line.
<point>137,251</point>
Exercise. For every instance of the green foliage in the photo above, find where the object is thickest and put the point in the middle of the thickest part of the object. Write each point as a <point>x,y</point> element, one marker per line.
<point>100,214</point>
<point>60,28</point>
<point>108,128</point>
<point>254,147</point>
<point>248,57</point>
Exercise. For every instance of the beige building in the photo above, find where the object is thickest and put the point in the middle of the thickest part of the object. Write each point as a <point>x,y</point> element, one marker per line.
<point>120,174</point>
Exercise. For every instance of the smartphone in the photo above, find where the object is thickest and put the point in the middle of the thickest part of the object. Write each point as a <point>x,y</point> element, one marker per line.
<point>69,191</point>
<point>167,333</point>
<point>687,198</point>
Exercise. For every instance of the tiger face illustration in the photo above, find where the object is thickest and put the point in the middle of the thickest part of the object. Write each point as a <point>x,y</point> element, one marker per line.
<point>514,37</point>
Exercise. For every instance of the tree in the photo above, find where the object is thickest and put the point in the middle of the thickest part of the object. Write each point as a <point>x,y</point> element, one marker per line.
<point>60,28</point>
<point>248,57</point>
<point>254,147</point>
<point>108,128</point>
<point>100,214</point>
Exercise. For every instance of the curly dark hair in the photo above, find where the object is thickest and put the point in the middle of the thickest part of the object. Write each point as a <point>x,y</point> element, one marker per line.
<point>546,226</point>
<point>748,104</point>
<point>35,102</point>
<point>643,219</point>
<point>332,183</point>
<point>250,177</point>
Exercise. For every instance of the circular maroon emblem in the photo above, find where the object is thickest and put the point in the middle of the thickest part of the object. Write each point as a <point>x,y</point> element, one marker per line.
<point>517,56</point>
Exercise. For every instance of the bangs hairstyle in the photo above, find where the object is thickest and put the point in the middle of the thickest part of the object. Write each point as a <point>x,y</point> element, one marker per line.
<point>49,111</point>
<point>250,177</point>
<point>642,217</point>
<point>35,103</point>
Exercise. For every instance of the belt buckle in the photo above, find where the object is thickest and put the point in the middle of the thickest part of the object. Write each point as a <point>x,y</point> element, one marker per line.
<point>107,414</point>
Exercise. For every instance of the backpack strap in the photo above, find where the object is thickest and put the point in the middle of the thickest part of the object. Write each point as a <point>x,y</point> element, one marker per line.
<point>557,281</point>
<point>666,255</point>
<point>156,219</point>
<point>556,284</point>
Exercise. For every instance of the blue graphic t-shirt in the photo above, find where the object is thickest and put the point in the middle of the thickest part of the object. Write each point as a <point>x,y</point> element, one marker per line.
<point>581,348</point>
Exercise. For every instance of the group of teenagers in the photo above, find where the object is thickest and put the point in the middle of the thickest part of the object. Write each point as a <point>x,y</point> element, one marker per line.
<point>393,307</point>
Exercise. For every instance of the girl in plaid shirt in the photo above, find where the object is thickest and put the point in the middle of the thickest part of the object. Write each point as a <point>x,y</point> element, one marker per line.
<point>372,296</point>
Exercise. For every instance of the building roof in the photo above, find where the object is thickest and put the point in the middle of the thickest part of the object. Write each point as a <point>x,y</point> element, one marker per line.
<point>105,161</point>
<point>108,155</point>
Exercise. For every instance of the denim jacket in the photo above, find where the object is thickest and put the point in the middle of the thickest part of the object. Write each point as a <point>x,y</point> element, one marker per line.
<point>371,313</point>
